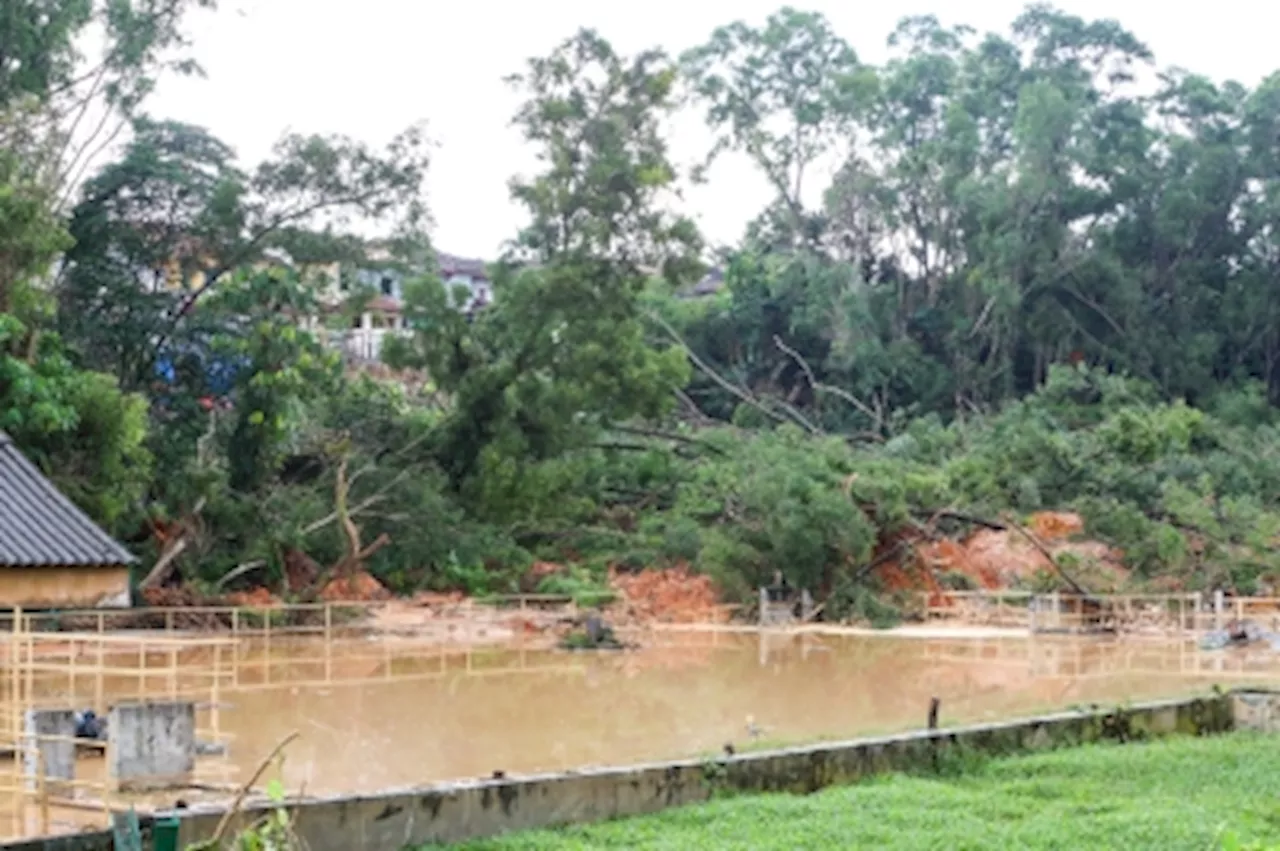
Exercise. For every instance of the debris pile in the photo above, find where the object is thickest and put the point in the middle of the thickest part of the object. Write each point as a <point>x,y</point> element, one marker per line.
<point>537,572</point>
<point>257,597</point>
<point>675,595</point>
<point>994,559</point>
<point>359,586</point>
<point>300,571</point>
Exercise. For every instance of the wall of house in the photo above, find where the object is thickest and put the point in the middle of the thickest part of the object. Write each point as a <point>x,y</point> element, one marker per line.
<point>64,587</point>
<point>480,289</point>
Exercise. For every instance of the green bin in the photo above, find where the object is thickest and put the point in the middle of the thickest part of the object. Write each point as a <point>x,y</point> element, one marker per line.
<point>164,834</point>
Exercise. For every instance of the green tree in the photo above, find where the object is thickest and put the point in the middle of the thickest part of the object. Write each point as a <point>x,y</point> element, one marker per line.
<point>562,351</point>
<point>785,94</point>
<point>177,203</point>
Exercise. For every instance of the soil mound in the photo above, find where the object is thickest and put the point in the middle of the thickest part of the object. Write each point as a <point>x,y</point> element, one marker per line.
<point>360,586</point>
<point>675,595</point>
<point>996,559</point>
<point>259,597</point>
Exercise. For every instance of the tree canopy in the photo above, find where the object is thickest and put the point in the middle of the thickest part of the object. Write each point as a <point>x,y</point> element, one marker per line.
<point>1043,277</point>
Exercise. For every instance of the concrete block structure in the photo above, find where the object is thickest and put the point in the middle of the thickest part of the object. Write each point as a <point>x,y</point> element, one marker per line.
<point>153,745</point>
<point>48,746</point>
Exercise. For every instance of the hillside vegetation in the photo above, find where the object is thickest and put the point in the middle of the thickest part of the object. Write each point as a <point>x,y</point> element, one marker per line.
<point>1045,278</point>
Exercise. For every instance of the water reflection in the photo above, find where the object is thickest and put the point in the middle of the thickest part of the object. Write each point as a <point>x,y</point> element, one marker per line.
<point>418,716</point>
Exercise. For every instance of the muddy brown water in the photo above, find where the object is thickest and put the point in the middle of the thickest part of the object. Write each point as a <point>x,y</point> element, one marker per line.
<point>378,714</point>
<point>434,717</point>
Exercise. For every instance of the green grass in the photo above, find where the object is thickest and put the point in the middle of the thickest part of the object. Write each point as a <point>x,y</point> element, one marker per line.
<point>1181,793</point>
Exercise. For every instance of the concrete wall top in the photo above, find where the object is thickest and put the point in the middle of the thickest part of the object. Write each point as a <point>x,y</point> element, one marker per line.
<point>452,812</point>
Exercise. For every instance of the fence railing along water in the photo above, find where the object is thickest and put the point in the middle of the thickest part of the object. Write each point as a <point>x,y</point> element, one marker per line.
<point>92,660</point>
<point>52,680</point>
<point>1156,614</point>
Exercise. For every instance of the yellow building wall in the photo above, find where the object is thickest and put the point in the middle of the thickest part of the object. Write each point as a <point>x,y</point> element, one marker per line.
<point>64,587</point>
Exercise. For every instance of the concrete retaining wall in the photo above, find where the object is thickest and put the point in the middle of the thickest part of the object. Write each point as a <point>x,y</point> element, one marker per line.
<point>389,821</point>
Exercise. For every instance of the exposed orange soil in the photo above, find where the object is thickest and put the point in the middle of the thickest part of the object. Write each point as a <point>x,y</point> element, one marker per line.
<point>360,586</point>
<point>996,559</point>
<point>1005,558</point>
<point>256,597</point>
<point>675,595</point>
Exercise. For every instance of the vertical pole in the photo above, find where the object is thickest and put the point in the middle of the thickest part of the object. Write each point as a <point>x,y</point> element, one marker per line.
<point>215,710</point>
<point>1219,604</point>
<point>173,673</point>
<point>764,605</point>
<point>99,698</point>
<point>73,648</point>
<point>328,642</point>
<point>266,651</point>
<point>17,713</point>
<point>42,791</point>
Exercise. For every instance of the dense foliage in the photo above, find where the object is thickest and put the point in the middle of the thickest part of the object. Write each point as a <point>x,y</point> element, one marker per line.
<point>1039,280</point>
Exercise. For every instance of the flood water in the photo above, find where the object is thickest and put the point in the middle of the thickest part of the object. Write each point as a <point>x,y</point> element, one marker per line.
<point>373,716</point>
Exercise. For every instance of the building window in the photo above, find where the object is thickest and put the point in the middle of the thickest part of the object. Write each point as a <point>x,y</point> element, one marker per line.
<point>388,284</point>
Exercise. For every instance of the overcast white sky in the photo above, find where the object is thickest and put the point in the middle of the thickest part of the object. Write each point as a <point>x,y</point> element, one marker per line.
<point>370,68</point>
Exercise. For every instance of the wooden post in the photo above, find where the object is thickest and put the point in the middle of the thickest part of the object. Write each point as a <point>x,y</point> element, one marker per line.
<point>16,718</point>
<point>934,705</point>
<point>173,673</point>
<point>42,791</point>
<point>215,710</point>
<point>764,605</point>
<point>99,697</point>
<point>72,647</point>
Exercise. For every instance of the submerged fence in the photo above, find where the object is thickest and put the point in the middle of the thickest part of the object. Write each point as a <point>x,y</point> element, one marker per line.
<point>1158,614</point>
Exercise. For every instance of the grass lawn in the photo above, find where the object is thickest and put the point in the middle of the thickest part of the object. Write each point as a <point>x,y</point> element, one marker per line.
<point>1174,794</point>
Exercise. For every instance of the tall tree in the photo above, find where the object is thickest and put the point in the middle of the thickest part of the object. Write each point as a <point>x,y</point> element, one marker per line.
<point>562,350</point>
<point>785,94</point>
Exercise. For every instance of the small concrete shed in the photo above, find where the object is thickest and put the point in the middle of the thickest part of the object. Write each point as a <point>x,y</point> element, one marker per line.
<point>51,554</point>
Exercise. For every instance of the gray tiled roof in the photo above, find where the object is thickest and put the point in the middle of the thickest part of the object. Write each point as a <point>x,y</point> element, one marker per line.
<point>451,264</point>
<point>41,527</point>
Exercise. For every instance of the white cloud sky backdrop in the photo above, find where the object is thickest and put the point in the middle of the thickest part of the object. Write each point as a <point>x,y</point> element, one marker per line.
<point>368,69</point>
